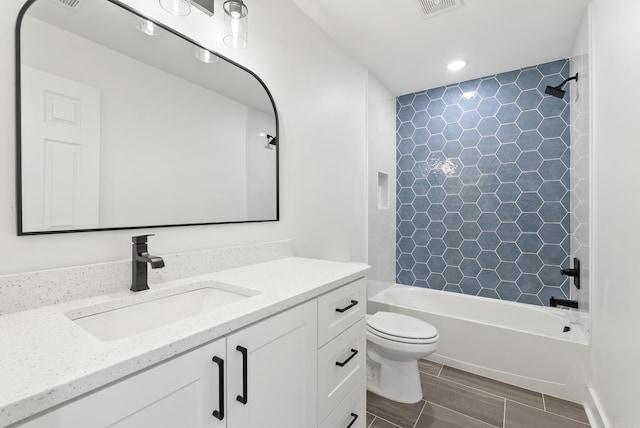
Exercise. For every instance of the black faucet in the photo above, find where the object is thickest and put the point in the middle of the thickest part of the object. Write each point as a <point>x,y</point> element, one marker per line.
<point>553,302</point>
<point>139,259</point>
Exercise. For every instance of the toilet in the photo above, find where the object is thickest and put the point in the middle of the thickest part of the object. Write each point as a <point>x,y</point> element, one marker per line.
<point>395,342</point>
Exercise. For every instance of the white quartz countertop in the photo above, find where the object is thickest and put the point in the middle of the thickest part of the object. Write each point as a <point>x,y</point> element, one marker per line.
<point>46,359</point>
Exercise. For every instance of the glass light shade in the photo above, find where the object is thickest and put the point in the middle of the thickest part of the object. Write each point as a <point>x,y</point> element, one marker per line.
<point>205,56</point>
<point>147,27</point>
<point>176,7</point>
<point>235,23</point>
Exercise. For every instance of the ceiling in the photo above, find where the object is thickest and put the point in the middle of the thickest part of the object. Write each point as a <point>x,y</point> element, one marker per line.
<point>409,52</point>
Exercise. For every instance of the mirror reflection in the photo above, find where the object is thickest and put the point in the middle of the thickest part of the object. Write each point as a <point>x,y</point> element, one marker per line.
<point>125,124</point>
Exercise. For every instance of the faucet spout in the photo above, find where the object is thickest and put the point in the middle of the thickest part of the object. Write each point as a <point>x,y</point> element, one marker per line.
<point>140,257</point>
<point>155,261</point>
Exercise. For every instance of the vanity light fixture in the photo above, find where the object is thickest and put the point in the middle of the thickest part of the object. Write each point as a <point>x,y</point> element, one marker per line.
<point>177,7</point>
<point>205,56</point>
<point>456,65</point>
<point>147,27</point>
<point>235,22</point>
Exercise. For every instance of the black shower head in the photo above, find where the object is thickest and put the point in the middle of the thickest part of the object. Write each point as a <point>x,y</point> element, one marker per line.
<point>557,91</point>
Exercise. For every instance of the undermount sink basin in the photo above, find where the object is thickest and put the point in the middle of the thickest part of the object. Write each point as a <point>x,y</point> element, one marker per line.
<point>134,315</point>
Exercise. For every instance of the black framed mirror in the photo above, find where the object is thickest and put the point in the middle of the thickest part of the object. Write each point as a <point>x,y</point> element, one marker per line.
<point>124,123</point>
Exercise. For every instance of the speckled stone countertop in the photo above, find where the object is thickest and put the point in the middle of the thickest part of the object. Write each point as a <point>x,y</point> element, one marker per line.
<point>46,359</point>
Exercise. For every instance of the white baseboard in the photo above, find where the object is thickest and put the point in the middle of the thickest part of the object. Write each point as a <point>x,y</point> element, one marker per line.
<point>594,410</point>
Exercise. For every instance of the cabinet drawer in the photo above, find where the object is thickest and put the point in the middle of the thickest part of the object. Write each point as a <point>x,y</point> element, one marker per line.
<point>340,309</point>
<point>351,412</point>
<point>341,365</point>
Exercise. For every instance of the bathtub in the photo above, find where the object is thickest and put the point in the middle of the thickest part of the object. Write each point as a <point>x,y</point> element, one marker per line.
<point>520,344</point>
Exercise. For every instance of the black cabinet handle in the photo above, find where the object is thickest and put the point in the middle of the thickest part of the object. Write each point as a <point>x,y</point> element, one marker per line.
<point>354,352</point>
<point>220,412</point>
<point>353,421</point>
<point>346,308</point>
<point>243,398</point>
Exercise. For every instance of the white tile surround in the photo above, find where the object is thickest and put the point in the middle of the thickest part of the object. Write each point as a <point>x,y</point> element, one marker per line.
<point>22,291</point>
<point>46,360</point>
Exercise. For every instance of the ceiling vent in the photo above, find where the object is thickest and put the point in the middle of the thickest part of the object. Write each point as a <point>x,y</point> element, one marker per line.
<point>69,4</point>
<point>432,8</point>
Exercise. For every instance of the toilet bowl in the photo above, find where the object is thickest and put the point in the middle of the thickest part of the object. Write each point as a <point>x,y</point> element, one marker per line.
<point>395,342</point>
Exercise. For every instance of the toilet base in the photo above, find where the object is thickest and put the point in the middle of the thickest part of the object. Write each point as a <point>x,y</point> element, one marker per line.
<point>395,380</point>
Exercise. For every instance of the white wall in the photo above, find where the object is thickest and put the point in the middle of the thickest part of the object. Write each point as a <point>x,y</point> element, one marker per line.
<point>616,245</point>
<point>381,140</point>
<point>320,95</point>
<point>261,165</point>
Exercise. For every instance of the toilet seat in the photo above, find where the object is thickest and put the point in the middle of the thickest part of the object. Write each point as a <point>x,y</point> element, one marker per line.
<point>401,328</point>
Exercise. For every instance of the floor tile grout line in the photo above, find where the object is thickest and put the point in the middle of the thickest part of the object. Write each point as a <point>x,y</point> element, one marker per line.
<point>372,421</point>
<point>479,389</point>
<point>544,403</point>
<point>389,422</point>
<point>504,414</point>
<point>424,403</point>
<point>551,413</point>
<point>475,389</point>
<point>458,412</point>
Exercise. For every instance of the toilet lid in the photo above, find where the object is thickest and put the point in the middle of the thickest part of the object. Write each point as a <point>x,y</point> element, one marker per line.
<point>400,326</point>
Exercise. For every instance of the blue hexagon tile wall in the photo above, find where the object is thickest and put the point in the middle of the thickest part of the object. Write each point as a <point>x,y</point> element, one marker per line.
<point>483,186</point>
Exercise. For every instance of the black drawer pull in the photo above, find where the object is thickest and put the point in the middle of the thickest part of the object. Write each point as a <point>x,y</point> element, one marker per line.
<point>220,412</point>
<point>346,308</point>
<point>354,352</point>
<point>353,421</point>
<point>243,398</point>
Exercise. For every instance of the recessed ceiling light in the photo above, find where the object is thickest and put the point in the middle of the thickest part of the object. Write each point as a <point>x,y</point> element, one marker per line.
<point>456,65</point>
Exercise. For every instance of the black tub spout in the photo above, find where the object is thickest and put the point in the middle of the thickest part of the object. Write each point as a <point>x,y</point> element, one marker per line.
<point>554,303</point>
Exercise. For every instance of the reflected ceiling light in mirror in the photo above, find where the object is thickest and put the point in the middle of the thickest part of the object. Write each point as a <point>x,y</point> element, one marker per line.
<point>177,7</point>
<point>235,22</point>
<point>147,27</point>
<point>456,65</point>
<point>205,56</point>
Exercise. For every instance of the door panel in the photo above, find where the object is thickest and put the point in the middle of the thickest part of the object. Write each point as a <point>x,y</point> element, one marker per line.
<point>60,153</point>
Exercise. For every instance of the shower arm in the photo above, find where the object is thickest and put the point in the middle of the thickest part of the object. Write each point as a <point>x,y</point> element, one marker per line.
<point>567,80</point>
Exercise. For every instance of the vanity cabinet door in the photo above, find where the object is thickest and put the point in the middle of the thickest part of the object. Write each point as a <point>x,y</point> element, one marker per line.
<point>272,371</point>
<point>182,392</point>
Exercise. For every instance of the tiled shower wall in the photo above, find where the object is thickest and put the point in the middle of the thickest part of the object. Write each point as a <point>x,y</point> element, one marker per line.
<point>482,189</point>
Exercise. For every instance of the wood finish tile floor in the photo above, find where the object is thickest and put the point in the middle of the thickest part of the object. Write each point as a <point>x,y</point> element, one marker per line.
<point>456,399</point>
